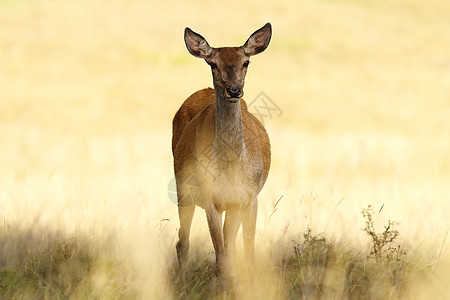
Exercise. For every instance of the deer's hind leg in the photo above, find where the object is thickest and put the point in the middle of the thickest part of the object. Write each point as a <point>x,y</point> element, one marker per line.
<point>190,193</point>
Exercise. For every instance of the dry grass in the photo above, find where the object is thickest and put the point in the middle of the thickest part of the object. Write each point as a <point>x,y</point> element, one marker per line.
<point>87,93</point>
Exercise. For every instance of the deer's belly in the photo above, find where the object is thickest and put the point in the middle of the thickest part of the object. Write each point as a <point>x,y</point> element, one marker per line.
<point>229,189</point>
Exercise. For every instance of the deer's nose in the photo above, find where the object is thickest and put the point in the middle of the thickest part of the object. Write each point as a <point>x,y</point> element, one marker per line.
<point>234,92</point>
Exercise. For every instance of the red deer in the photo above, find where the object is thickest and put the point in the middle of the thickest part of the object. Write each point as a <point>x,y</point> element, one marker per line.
<point>218,144</point>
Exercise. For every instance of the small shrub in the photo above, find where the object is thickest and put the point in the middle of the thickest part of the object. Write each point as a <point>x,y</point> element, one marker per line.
<point>381,242</point>
<point>382,273</point>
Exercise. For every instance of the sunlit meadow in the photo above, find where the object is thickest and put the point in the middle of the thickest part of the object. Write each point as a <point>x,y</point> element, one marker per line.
<point>88,90</point>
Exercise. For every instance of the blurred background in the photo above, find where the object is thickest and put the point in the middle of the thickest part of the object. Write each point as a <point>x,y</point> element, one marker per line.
<point>88,90</point>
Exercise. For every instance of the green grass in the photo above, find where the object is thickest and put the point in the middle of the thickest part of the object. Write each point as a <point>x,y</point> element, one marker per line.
<point>38,264</point>
<point>313,267</point>
<point>318,268</point>
<point>88,89</point>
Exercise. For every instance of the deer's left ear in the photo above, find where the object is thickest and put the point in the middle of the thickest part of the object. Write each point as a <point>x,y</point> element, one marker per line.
<point>258,41</point>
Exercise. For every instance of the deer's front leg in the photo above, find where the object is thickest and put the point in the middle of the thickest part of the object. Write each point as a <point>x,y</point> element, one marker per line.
<point>248,228</point>
<point>214,218</point>
<point>230,229</point>
<point>185,213</point>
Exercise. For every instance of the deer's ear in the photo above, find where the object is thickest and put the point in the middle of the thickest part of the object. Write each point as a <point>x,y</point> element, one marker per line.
<point>196,44</point>
<point>258,41</point>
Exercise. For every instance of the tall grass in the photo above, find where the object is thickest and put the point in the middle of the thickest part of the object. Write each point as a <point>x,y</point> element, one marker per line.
<point>40,263</point>
<point>87,93</point>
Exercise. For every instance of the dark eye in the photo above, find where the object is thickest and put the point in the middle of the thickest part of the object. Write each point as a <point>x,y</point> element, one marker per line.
<point>212,65</point>
<point>246,64</point>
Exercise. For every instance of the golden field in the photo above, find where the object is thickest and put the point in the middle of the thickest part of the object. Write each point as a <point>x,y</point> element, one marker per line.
<point>88,90</point>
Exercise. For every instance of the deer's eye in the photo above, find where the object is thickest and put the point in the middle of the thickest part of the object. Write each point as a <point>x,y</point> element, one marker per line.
<point>212,65</point>
<point>246,64</point>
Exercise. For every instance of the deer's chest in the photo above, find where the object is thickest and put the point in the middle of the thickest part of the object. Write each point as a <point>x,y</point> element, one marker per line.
<point>229,182</point>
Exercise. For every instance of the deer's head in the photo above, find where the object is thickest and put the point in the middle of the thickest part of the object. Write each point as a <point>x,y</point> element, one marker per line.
<point>228,64</point>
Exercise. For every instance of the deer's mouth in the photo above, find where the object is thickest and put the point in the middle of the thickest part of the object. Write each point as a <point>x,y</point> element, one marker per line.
<point>232,100</point>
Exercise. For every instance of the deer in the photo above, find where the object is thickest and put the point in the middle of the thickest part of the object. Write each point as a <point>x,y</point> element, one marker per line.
<point>221,151</point>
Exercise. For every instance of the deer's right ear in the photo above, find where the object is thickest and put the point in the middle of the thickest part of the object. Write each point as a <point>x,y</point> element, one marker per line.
<point>196,44</point>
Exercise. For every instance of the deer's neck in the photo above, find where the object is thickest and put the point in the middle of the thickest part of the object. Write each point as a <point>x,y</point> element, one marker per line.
<point>229,139</point>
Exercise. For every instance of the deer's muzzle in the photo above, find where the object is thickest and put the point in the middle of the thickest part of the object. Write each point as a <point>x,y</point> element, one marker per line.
<point>233,93</point>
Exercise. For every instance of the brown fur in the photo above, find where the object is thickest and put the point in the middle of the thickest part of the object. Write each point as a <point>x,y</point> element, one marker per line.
<point>221,151</point>
<point>201,105</point>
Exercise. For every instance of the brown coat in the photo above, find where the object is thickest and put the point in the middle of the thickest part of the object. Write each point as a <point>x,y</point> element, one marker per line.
<point>194,133</point>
